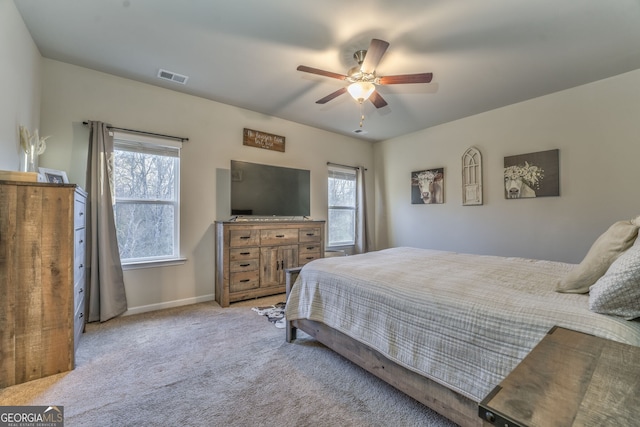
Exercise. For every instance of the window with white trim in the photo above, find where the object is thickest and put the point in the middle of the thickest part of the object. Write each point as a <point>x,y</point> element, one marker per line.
<point>147,198</point>
<point>341,223</point>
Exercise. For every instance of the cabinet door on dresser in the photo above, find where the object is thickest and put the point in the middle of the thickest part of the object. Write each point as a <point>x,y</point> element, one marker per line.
<point>274,260</point>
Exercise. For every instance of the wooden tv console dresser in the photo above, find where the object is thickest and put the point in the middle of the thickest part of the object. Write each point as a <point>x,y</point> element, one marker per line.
<point>252,255</point>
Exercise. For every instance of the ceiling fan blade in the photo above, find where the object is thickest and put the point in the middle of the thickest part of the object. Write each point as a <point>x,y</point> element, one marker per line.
<point>377,100</point>
<point>377,48</point>
<point>331,96</point>
<point>406,78</point>
<point>321,72</point>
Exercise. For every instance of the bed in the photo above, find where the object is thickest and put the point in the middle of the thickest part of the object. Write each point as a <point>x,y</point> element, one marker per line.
<point>443,327</point>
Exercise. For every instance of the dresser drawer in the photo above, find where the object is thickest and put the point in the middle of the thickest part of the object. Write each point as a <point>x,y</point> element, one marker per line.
<point>79,264</point>
<point>244,238</point>
<point>239,254</point>
<point>311,234</point>
<point>243,281</point>
<point>278,236</point>
<point>79,211</point>
<point>79,244</point>
<point>306,258</point>
<point>78,327</point>
<point>309,248</point>
<point>78,292</point>
<point>244,265</point>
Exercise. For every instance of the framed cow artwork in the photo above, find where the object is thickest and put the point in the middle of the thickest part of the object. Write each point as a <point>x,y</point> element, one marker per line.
<point>427,187</point>
<point>532,175</point>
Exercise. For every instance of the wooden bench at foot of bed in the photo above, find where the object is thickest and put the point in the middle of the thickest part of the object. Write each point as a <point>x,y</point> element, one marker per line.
<point>446,402</point>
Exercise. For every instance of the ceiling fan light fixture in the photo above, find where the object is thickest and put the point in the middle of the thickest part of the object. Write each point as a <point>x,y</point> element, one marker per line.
<point>362,79</point>
<point>361,91</point>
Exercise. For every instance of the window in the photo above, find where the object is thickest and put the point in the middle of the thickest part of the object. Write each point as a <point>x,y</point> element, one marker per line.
<point>147,202</point>
<point>341,222</point>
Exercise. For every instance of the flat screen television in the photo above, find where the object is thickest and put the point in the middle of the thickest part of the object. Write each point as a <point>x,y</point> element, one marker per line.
<point>266,191</point>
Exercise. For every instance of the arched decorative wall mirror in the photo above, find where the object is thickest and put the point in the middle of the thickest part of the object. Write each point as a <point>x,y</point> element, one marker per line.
<point>472,177</point>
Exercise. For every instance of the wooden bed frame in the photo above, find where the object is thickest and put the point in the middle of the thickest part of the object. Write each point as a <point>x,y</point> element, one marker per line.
<point>450,404</point>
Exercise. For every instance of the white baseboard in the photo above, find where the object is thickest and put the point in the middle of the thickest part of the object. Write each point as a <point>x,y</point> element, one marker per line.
<point>168,304</point>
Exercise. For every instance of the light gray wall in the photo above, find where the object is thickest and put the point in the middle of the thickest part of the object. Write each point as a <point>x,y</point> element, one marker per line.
<point>71,94</point>
<point>596,127</point>
<point>19,84</point>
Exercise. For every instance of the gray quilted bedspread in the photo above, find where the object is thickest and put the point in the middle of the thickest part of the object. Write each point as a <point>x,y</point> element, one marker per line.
<point>462,320</point>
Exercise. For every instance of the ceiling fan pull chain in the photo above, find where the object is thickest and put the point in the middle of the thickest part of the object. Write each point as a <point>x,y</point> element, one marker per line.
<point>361,114</point>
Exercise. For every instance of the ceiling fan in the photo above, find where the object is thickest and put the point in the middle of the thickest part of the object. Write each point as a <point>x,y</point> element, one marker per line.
<point>363,78</point>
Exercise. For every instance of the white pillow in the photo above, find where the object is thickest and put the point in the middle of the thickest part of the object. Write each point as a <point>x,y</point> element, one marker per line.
<point>618,291</point>
<point>606,249</point>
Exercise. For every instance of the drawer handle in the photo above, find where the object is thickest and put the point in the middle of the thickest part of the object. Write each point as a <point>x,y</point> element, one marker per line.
<point>489,417</point>
<point>279,235</point>
<point>245,253</point>
<point>310,247</point>
<point>310,257</point>
<point>244,280</point>
<point>245,237</point>
<point>311,234</point>
<point>245,265</point>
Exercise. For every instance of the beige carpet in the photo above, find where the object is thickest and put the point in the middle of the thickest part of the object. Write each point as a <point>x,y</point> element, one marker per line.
<point>202,365</point>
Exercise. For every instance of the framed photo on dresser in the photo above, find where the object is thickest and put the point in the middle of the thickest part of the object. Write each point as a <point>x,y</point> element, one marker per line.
<point>54,176</point>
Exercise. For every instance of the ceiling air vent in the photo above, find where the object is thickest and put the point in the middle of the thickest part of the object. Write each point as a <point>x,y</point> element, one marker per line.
<point>174,77</point>
<point>360,131</point>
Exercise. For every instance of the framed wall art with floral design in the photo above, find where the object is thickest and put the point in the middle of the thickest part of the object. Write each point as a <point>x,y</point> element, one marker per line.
<point>532,175</point>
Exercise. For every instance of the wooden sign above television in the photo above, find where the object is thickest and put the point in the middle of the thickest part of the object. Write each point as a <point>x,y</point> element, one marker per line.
<point>264,140</point>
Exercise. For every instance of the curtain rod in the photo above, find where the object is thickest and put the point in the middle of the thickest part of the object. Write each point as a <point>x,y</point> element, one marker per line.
<point>143,132</point>
<point>343,166</point>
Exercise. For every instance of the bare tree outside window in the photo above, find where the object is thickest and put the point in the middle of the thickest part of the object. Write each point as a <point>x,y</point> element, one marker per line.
<point>342,207</point>
<point>146,203</point>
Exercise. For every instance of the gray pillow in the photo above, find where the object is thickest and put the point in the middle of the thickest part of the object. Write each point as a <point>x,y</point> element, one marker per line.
<point>606,249</point>
<point>618,291</point>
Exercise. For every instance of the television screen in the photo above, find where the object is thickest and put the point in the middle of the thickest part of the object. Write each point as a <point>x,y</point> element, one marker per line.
<point>265,190</point>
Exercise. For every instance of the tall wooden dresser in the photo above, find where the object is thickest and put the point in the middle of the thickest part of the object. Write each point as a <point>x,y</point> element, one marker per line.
<point>42,279</point>
<point>252,256</point>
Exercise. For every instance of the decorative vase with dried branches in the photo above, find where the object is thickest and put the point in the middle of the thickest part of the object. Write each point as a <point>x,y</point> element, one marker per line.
<point>32,145</point>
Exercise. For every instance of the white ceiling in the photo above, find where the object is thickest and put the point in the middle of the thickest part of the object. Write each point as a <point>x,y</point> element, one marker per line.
<point>484,54</point>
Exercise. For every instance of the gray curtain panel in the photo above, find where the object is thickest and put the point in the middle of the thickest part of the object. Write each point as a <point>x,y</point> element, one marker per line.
<point>106,296</point>
<point>362,234</point>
